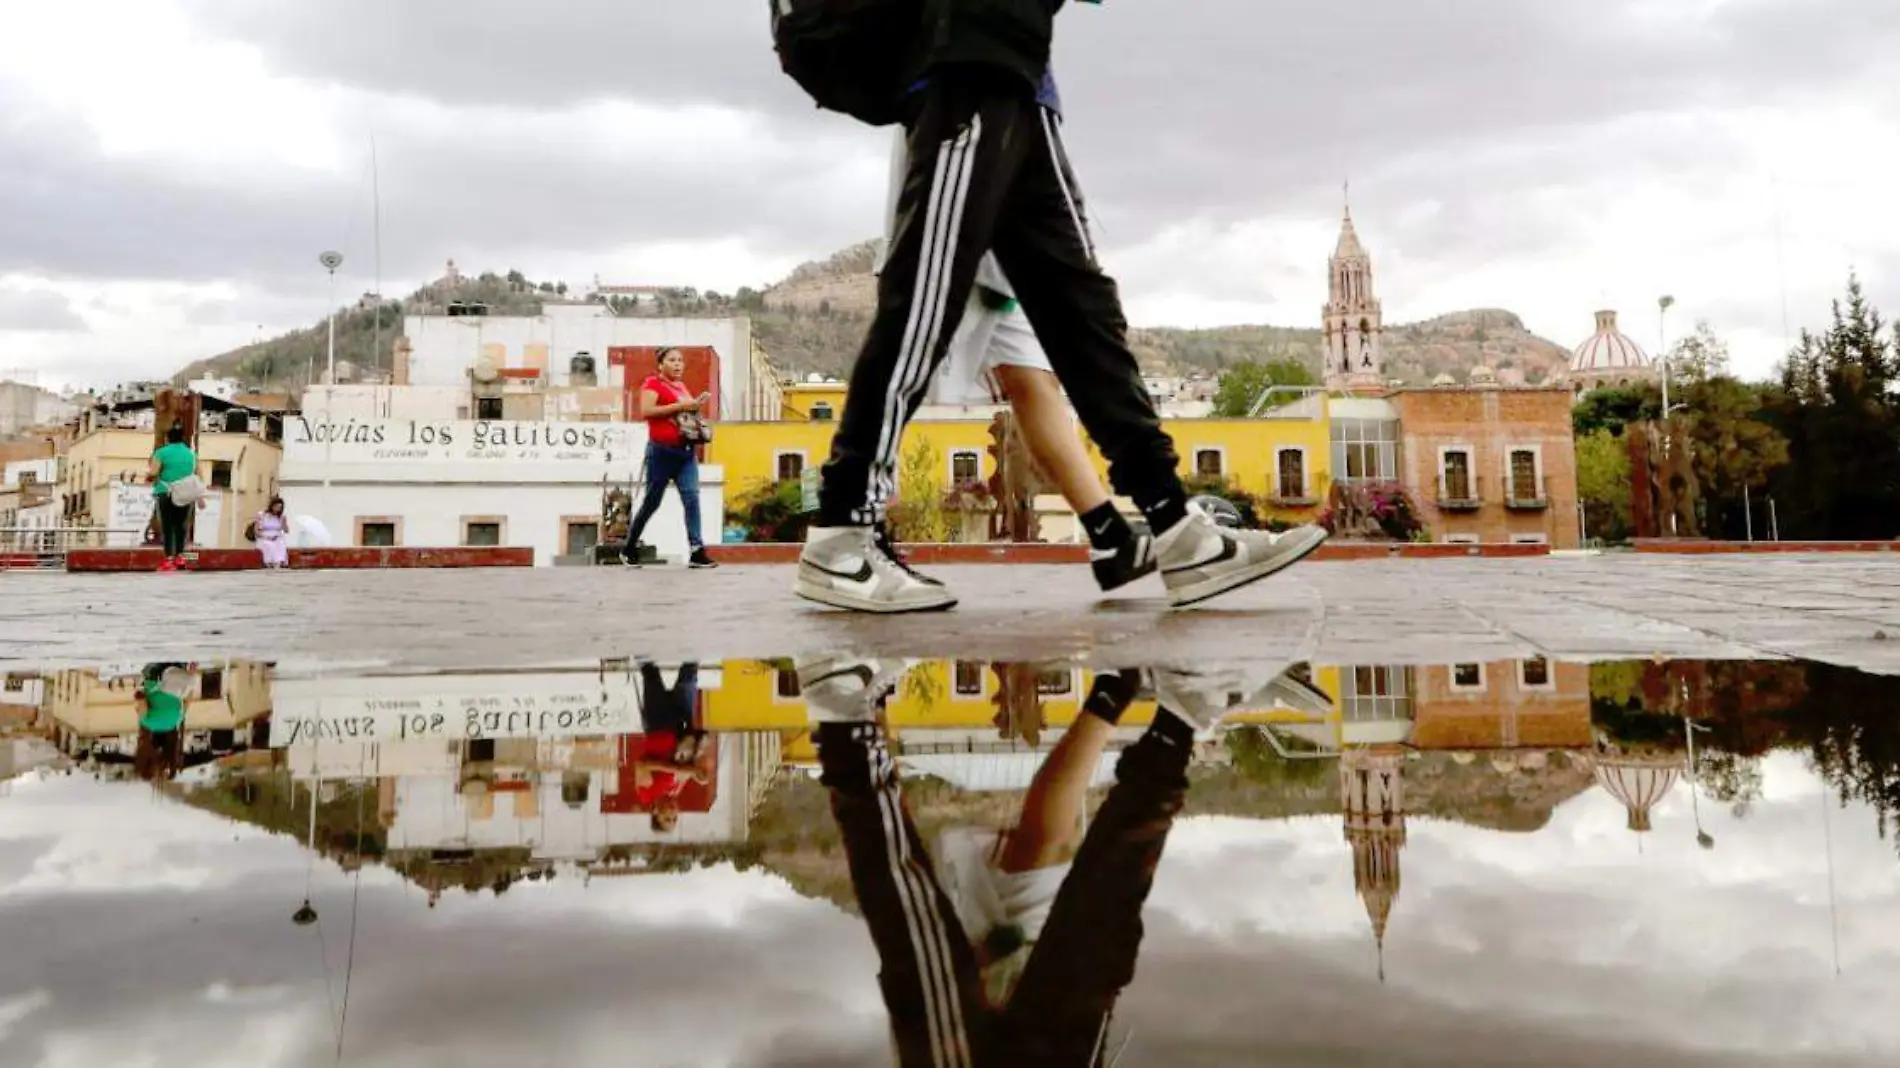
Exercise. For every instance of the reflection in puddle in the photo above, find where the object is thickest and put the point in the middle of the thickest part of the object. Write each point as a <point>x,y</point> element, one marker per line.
<point>1578,842</point>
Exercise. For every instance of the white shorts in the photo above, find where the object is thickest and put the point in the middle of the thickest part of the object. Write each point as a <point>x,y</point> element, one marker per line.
<point>985,340</point>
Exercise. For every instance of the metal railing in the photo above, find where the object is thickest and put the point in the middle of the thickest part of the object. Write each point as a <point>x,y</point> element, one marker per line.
<point>26,548</point>
<point>1527,495</point>
<point>1460,494</point>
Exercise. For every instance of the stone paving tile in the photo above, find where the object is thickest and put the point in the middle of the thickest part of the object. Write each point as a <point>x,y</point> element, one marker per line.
<point>1822,607</point>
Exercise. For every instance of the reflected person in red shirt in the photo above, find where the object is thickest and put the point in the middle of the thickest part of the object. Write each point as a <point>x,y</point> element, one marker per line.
<point>672,750</point>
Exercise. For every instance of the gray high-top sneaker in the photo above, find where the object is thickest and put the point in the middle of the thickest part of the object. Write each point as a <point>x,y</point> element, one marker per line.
<point>1200,560</point>
<point>846,567</point>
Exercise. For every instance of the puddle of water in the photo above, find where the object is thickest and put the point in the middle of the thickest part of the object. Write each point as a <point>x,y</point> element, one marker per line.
<point>1515,862</point>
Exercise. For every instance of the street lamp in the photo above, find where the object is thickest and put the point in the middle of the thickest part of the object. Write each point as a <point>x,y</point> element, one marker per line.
<point>1663,304</point>
<point>331,261</point>
<point>1689,729</point>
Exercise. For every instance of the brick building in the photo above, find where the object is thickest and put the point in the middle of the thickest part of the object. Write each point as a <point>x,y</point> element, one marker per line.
<point>1485,462</point>
<point>1490,464</point>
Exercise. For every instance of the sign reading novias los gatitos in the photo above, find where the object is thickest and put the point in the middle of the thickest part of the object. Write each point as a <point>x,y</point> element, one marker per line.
<point>360,440</point>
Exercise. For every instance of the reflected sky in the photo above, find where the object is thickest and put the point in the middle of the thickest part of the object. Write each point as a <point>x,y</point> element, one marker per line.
<point>142,929</point>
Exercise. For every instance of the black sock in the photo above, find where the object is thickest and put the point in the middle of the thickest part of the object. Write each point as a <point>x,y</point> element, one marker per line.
<point>1165,513</point>
<point>1107,529</point>
<point>1172,729</point>
<point>1111,695</point>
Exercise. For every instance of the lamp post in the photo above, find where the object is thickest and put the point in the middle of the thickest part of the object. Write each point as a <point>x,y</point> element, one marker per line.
<point>331,261</point>
<point>1663,304</point>
<point>1689,729</point>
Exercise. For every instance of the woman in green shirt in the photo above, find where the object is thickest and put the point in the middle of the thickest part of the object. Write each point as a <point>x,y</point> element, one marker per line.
<point>161,706</point>
<point>172,462</point>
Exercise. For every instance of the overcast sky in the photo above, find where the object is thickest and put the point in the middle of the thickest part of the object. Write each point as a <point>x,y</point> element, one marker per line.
<point>170,169</point>
<point>137,927</point>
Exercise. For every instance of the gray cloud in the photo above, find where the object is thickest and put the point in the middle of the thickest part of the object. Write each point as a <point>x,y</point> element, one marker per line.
<point>39,310</point>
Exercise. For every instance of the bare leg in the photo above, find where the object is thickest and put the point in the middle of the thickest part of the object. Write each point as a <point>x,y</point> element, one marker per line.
<point>1050,829</point>
<point>1043,414</point>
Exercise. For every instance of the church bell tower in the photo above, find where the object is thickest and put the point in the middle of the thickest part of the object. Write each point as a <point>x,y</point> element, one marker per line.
<point>1355,323</point>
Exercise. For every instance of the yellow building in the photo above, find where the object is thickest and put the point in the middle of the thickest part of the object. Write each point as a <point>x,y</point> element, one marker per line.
<point>238,468</point>
<point>85,707</point>
<point>1283,457</point>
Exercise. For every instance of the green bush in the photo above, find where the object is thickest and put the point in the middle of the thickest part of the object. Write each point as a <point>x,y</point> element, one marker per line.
<point>772,511</point>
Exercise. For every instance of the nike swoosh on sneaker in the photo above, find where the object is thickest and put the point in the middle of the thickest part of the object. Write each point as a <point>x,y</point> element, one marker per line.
<point>1228,550</point>
<point>864,675</point>
<point>862,574</point>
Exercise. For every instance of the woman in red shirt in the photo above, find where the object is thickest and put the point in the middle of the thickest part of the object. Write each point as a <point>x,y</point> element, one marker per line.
<point>670,459</point>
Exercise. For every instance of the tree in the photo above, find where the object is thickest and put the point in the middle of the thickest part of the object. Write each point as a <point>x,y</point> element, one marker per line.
<point>918,514</point>
<point>1836,410</point>
<point>1612,409</point>
<point>1242,384</point>
<point>1699,357</point>
<point>1603,484</point>
<point>1735,451</point>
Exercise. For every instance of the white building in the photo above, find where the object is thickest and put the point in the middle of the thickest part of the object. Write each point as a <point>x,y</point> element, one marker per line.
<point>404,474</point>
<point>571,343</point>
<point>549,743</point>
<point>29,501</point>
<point>24,406</point>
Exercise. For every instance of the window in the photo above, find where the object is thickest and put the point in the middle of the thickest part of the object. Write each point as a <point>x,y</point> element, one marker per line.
<point>1291,470</point>
<point>1454,475</point>
<point>1525,485</point>
<point>376,535</point>
<point>969,678</point>
<point>1534,674</point>
<point>1466,678</point>
<point>211,684</point>
<point>1055,683</point>
<point>220,474</point>
<point>1210,463</point>
<point>1365,450</point>
<point>966,468</point>
<point>785,683</point>
<point>481,533</point>
<point>488,407</point>
<point>791,466</point>
<point>821,412</point>
<point>29,478</point>
<point>580,536</point>
<point>15,683</point>
<point>1376,693</point>
<point>481,751</point>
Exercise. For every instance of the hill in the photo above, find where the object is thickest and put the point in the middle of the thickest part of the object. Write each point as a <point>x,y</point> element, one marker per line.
<point>813,320</point>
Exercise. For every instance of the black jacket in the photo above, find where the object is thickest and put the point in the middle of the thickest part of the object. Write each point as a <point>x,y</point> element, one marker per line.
<point>1011,34</point>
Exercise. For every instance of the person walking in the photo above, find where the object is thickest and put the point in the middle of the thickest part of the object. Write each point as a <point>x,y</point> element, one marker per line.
<point>994,356</point>
<point>271,529</point>
<point>676,427</point>
<point>987,174</point>
<point>175,488</point>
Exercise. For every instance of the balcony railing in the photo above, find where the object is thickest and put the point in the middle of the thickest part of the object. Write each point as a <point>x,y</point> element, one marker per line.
<point>1527,494</point>
<point>31,547</point>
<point>1460,494</point>
<point>1295,497</point>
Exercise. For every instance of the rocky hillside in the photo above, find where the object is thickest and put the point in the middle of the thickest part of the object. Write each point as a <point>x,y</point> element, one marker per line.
<point>813,320</point>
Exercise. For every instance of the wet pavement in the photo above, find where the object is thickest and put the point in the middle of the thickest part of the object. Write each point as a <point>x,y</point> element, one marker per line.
<point>1836,609</point>
<point>1426,843</point>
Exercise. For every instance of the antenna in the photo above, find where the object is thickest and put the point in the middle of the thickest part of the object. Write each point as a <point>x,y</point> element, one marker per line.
<point>376,209</point>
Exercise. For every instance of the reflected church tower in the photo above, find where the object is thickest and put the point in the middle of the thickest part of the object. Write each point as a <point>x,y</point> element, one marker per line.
<point>1372,792</point>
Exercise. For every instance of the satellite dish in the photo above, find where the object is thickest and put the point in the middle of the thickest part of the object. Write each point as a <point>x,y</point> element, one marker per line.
<point>331,260</point>
<point>485,370</point>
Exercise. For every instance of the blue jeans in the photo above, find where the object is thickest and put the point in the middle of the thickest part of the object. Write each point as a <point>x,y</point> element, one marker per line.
<point>667,464</point>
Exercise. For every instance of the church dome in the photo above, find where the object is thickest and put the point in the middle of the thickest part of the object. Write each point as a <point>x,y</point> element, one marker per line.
<point>1608,352</point>
<point>1444,381</point>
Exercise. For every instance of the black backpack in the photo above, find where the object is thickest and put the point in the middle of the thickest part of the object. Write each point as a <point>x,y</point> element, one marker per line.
<point>849,55</point>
